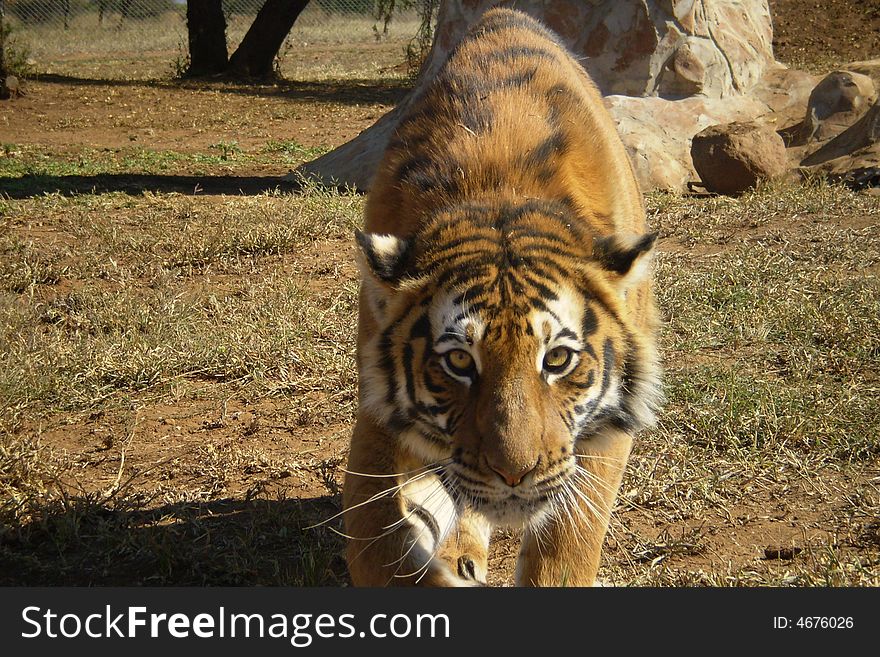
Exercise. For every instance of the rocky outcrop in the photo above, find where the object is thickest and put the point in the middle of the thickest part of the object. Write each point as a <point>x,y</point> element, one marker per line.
<point>836,134</point>
<point>669,69</point>
<point>838,131</point>
<point>681,51</point>
<point>643,47</point>
<point>856,148</point>
<point>657,133</point>
<point>837,102</point>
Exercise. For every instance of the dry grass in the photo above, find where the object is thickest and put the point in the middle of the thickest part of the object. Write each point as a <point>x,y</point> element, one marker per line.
<point>320,47</point>
<point>114,306</point>
<point>167,32</point>
<point>177,385</point>
<point>770,436</point>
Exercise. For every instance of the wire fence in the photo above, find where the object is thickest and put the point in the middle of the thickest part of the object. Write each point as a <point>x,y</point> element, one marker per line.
<point>59,28</point>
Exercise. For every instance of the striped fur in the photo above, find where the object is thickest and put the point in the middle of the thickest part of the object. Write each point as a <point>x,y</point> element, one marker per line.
<point>506,336</point>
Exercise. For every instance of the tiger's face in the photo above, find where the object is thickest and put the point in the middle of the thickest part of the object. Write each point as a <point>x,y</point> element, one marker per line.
<point>500,346</point>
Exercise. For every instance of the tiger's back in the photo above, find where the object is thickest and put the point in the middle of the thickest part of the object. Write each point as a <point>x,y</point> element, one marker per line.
<point>511,114</point>
<point>506,332</point>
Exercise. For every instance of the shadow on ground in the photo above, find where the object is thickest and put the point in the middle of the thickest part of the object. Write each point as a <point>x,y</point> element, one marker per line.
<point>228,542</point>
<point>346,92</point>
<point>30,186</point>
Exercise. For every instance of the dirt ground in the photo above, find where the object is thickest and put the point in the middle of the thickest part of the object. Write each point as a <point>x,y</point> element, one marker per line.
<point>76,102</point>
<point>288,458</point>
<point>821,35</point>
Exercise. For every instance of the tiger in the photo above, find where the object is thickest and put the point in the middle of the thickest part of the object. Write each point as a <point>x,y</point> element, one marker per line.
<point>506,344</point>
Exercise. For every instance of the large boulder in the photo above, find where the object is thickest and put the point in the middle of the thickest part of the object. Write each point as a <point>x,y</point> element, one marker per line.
<point>839,134</point>
<point>734,157</point>
<point>856,148</point>
<point>643,47</point>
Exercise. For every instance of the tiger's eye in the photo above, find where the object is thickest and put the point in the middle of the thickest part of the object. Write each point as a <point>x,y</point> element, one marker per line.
<point>459,361</point>
<point>557,359</point>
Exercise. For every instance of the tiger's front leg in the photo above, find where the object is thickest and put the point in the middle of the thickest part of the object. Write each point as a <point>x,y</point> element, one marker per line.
<point>397,516</point>
<point>466,549</point>
<point>565,550</point>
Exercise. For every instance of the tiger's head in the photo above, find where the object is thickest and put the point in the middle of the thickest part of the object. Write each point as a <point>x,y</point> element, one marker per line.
<point>504,339</point>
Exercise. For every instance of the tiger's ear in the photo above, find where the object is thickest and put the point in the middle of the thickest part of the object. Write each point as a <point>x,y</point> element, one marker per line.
<point>383,261</point>
<point>625,257</point>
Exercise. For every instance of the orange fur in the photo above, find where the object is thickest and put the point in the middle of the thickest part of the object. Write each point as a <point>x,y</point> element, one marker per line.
<point>505,207</point>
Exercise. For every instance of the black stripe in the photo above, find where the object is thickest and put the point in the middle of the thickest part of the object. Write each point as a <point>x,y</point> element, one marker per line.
<point>608,365</point>
<point>588,348</point>
<point>461,241</point>
<point>471,293</point>
<point>582,385</point>
<point>429,384</point>
<point>436,409</point>
<point>421,328</point>
<point>386,364</point>
<point>408,374</point>
<point>519,80</point>
<point>476,86</point>
<point>477,117</point>
<point>511,53</point>
<point>465,273</point>
<point>425,516</point>
<point>546,293</point>
<point>588,407</point>
<point>452,422</point>
<point>459,259</point>
<point>414,163</point>
<point>556,144</point>
<point>589,323</point>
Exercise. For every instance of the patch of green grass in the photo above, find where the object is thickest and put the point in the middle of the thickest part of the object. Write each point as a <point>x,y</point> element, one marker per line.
<point>735,407</point>
<point>293,151</point>
<point>31,165</point>
<point>32,162</point>
<point>228,150</point>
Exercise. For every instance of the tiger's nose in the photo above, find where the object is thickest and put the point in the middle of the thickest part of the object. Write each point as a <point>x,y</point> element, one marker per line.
<point>512,479</point>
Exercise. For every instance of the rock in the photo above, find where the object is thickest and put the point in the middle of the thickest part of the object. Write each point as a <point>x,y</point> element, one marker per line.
<point>838,101</point>
<point>869,67</point>
<point>657,133</point>
<point>839,136</point>
<point>786,92</point>
<point>673,48</point>
<point>732,158</point>
<point>650,47</point>
<point>857,147</point>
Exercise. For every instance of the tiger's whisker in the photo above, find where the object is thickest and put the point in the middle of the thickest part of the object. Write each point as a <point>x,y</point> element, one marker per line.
<point>384,493</point>
<point>441,462</point>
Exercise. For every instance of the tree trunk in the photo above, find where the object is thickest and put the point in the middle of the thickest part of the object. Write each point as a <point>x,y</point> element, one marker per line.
<point>256,53</point>
<point>206,26</point>
<point>4,90</point>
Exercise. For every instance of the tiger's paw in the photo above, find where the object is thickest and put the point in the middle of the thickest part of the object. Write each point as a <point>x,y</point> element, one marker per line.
<point>441,575</point>
<point>470,571</point>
